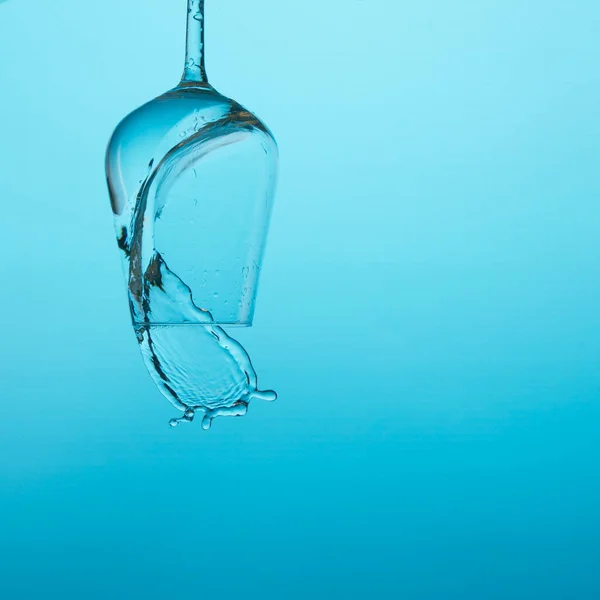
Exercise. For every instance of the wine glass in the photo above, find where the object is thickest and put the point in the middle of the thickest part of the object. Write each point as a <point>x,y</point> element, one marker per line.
<point>191,176</point>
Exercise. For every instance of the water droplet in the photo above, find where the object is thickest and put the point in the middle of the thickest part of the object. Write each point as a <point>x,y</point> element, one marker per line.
<point>266,396</point>
<point>173,422</point>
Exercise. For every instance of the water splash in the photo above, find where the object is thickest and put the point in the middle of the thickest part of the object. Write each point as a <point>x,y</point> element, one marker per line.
<point>197,367</point>
<point>195,364</point>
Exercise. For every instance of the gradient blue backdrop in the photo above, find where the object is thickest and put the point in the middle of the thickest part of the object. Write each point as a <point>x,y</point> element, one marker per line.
<point>429,309</point>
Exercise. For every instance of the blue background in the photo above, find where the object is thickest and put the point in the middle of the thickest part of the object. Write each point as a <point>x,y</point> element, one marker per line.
<point>428,309</point>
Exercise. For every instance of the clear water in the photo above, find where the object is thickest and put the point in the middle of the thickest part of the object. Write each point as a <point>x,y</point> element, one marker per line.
<point>197,367</point>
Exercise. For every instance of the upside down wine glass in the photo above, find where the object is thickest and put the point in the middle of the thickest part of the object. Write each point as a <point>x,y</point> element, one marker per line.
<point>191,177</point>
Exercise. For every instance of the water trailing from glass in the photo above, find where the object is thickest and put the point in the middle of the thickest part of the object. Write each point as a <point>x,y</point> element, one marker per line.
<point>191,177</point>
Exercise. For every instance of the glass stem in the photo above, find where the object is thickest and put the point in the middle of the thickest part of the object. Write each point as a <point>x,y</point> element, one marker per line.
<point>194,71</point>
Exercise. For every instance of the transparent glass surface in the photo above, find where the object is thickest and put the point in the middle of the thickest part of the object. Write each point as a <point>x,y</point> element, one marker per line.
<point>191,177</point>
